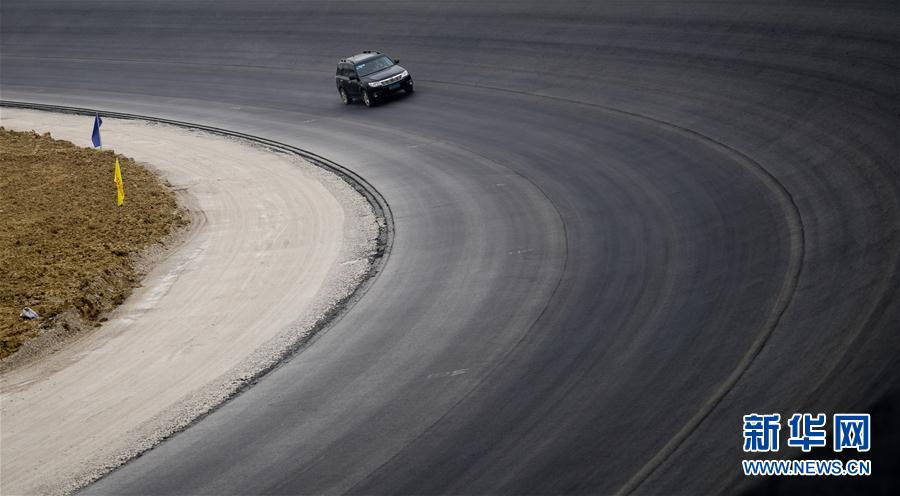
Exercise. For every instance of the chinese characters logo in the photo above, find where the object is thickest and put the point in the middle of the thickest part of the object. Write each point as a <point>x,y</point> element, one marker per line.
<point>850,431</point>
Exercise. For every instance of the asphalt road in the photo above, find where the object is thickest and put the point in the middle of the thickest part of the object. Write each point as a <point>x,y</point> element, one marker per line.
<point>619,227</point>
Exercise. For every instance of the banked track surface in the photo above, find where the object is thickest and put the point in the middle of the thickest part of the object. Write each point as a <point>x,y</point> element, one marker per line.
<point>619,227</point>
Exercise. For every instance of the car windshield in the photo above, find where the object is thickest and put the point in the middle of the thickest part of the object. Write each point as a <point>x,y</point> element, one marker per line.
<point>374,65</point>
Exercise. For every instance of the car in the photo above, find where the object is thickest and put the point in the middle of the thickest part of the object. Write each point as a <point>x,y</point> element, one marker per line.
<point>371,77</point>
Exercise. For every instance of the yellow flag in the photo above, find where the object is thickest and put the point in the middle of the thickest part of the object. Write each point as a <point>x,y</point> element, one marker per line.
<point>120,187</point>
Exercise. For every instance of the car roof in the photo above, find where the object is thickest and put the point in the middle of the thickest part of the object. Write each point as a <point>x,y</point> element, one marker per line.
<point>360,57</point>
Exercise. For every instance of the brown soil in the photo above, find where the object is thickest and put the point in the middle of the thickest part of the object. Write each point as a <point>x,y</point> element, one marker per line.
<point>66,250</point>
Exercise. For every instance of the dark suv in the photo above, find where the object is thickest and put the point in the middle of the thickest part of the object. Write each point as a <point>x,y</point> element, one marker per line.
<point>370,76</point>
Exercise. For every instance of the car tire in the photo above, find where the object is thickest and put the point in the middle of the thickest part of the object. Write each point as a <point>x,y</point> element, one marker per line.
<point>366,99</point>
<point>345,98</point>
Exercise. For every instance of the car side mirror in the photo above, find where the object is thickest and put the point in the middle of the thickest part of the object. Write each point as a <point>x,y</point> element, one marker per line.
<point>396,61</point>
<point>354,77</point>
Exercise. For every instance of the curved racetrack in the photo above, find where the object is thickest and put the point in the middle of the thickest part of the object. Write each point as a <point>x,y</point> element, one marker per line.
<point>619,226</point>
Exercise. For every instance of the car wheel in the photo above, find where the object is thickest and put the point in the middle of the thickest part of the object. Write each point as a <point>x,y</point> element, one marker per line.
<point>345,99</point>
<point>368,101</point>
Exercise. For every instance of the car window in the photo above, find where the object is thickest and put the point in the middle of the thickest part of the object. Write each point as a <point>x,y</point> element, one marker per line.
<point>374,65</point>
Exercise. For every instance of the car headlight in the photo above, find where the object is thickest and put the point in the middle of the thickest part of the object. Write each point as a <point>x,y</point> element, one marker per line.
<point>374,84</point>
<point>404,74</point>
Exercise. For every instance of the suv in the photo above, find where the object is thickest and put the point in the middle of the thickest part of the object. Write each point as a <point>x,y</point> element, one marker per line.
<point>370,76</point>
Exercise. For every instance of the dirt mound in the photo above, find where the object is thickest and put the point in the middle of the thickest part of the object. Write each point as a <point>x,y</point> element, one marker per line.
<point>66,250</point>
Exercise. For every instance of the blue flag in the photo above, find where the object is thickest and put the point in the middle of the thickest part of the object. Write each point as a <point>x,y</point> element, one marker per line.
<point>95,136</point>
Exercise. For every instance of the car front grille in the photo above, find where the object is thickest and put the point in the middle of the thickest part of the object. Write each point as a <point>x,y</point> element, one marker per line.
<point>390,80</point>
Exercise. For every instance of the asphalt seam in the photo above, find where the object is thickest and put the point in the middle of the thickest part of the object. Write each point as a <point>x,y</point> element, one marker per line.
<point>782,302</point>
